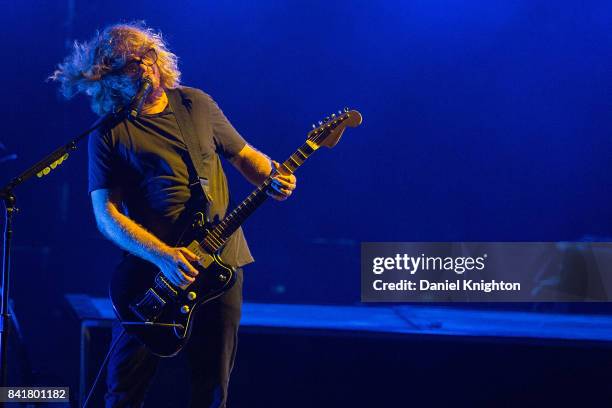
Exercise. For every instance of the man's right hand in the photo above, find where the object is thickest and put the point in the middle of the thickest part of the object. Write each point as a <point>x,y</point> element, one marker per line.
<point>129,235</point>
<point>174,264</point>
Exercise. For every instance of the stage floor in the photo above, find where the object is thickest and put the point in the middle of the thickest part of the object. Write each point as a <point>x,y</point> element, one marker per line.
<point>399,320</point>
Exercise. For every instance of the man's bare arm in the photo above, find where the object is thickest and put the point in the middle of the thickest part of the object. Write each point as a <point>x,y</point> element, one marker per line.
<point>256,167</point>
<point>130,236</point>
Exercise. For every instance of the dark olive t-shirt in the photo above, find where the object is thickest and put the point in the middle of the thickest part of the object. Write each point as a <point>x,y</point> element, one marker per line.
<point>147,161</point>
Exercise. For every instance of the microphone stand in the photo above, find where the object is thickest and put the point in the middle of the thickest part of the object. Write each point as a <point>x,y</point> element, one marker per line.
<point>40,169</point>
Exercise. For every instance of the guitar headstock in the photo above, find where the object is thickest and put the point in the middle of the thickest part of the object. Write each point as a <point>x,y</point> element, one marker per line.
<point>330,129</point>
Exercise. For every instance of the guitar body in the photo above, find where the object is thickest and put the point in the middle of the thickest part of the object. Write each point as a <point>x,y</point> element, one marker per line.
<point>157,313</point>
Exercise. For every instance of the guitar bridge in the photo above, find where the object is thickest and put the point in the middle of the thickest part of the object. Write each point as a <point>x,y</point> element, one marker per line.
<point>149,307</point>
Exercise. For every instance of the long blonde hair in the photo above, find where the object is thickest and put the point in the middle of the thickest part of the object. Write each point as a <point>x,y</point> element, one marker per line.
<point>92,67</point>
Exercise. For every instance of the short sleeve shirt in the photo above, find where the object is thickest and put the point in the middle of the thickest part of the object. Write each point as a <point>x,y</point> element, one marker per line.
<point>147,162</point>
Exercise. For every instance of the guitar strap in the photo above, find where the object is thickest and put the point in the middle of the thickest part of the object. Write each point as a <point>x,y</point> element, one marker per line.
<point>189,129</point>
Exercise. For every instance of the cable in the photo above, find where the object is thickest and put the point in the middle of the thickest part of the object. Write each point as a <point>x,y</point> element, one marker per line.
<point>104,363</point>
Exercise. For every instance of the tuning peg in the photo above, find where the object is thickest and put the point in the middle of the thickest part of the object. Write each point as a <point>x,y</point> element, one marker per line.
<point>313,126</point>
<point>339,112</point>
<point>326,119</point>
<point>333,115</point>
<point>346,109</point>
<point>320,123</point>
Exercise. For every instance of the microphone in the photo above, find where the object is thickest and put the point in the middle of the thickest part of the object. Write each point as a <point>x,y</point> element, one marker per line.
<point>135,106</point>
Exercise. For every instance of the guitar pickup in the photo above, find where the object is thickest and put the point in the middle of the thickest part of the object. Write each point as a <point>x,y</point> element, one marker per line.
<point>162,283</point>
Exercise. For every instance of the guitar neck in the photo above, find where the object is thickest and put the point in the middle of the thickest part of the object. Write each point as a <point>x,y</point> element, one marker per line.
<point>218,236</point>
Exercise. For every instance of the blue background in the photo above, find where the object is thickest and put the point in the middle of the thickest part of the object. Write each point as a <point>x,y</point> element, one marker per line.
<point>483,121</point>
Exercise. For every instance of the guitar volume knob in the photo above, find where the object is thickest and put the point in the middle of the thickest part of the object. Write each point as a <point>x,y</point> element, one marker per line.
<point>222,278</point>
<point>185,309</point>
<point>191,295</point>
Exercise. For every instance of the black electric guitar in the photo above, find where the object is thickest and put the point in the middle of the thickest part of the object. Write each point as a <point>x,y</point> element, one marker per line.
<point>160,314</point>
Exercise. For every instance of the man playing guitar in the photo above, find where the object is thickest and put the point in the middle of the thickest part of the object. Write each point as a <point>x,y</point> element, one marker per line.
<point>141,182</point>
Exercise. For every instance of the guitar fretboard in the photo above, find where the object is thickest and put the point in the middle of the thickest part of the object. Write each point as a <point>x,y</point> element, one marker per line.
<point>218,236</point>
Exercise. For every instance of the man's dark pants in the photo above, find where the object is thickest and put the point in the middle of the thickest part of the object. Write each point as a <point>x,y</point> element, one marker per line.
<point>211,351</point>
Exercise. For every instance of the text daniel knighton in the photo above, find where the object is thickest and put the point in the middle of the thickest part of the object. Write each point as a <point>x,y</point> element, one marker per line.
<point>455,285</point>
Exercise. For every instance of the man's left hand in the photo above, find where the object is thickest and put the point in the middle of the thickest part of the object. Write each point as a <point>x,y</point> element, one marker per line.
<point>282,185</point>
